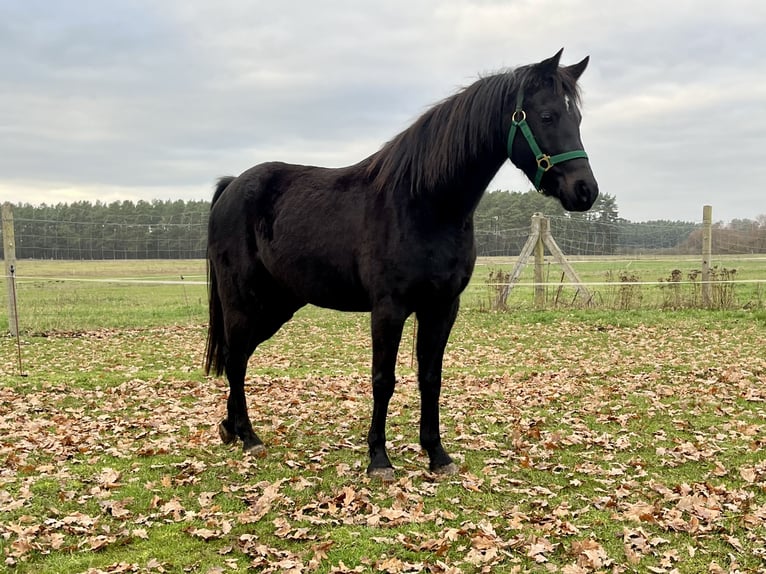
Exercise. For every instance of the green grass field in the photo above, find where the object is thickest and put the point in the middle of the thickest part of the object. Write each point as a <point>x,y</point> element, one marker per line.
<point>588,439</point>
<point>84,295</point>
<point>657,282</point>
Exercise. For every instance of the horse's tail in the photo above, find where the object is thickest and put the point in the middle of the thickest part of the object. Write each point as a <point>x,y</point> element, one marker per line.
<point>222,184</point>
<point>214,353</point>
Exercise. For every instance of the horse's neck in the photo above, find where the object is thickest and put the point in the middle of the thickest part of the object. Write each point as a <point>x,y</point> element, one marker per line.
<point>462,196</point>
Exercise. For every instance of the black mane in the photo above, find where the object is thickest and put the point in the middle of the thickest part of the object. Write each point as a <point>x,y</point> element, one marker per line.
<point>437,145</point>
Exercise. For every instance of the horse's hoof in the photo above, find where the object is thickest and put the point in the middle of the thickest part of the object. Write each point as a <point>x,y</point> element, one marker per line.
<point>385,474</point>
<point>256,451</point>
<point>446,470</point>
<point>226,436</point>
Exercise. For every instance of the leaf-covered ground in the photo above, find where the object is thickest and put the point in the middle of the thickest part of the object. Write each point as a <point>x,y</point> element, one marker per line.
<point>584,445</point>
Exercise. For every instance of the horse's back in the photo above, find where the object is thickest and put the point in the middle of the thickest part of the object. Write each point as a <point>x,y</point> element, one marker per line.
<point>303,225</point>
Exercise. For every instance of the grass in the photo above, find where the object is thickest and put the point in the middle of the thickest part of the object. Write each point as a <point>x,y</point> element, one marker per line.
<point>588,440</point>
<point>84,295</point>
<point>626,284</point>
<point>56,296</point>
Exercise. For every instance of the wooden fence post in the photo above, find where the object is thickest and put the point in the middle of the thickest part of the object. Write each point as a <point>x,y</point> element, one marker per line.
<point>9,251</point>
<point>707,251</point>
<point>534,235</point>
<point>539,238</point>
<point>542,226</point>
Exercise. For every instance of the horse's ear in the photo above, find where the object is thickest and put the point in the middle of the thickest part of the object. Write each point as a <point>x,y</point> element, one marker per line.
<point>576,70</point>
<point>551,65</point>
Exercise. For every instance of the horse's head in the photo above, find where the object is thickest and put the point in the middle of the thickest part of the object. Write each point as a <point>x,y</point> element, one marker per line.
<point>544,133</point>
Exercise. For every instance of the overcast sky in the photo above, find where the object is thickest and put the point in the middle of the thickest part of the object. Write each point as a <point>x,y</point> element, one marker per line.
<point>155,99</point>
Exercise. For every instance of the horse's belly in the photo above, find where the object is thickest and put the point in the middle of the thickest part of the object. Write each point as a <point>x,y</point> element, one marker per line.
<point>342,304</point>
<point>339,298</point>
<point>324,286</point>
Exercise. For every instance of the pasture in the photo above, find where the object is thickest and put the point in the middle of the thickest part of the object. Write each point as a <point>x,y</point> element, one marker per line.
<point>588,440</point>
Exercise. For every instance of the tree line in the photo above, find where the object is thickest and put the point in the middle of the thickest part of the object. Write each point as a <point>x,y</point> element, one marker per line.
<point>178,229</point>
<point>503,219</point>
<point>116,230</point>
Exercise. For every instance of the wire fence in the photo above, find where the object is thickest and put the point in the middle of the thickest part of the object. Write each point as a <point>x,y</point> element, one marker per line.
<point>84,275</point>
<point>581,236</point>
<point>621,283</point>
<point>72,297</point>
<point>80,240</point>
<point>76,296</point>
<point>63,235</point>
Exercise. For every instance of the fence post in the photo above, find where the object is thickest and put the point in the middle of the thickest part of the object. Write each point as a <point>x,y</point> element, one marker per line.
<point>539,238</point>
<point>707,250</point>
<point>542,226</point>
<point>9,251</point>
<point>521,261</point>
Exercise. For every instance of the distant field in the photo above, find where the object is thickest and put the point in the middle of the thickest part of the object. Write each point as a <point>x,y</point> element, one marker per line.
<point>86,295</point>
<point>83,295</point>
<point>622,283</point>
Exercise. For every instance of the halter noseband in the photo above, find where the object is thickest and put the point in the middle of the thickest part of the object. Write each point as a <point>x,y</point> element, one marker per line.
<point>544,161</point>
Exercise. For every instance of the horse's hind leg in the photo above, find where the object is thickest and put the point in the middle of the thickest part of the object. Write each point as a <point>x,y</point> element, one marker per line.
<point>237,422</point>
<point>245,330</point>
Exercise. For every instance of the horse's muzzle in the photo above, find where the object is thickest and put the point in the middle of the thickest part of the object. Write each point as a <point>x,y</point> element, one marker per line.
<point>580,196</point>
<point>585,194</point>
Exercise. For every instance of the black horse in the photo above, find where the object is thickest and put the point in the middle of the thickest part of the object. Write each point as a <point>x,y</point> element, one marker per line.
<point>392,235</point>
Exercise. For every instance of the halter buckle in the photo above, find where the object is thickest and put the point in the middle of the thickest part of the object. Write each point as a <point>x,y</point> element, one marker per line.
<point>544,162</point>
<point>520,114</point>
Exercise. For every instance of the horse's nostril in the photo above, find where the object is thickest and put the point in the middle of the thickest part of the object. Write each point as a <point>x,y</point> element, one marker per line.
<point>584,193</point>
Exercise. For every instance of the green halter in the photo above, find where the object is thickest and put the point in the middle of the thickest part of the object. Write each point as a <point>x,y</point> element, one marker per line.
<point>544,161</point>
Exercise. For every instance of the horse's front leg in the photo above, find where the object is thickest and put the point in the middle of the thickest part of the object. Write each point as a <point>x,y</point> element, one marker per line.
<point>434,326</point>
<point>387,324</point>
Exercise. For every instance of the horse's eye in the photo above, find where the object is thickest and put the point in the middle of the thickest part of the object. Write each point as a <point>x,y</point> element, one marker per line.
<point>546,117</point>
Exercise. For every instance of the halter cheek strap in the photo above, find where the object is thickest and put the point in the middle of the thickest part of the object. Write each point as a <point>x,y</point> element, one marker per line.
<point>544,161</point>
